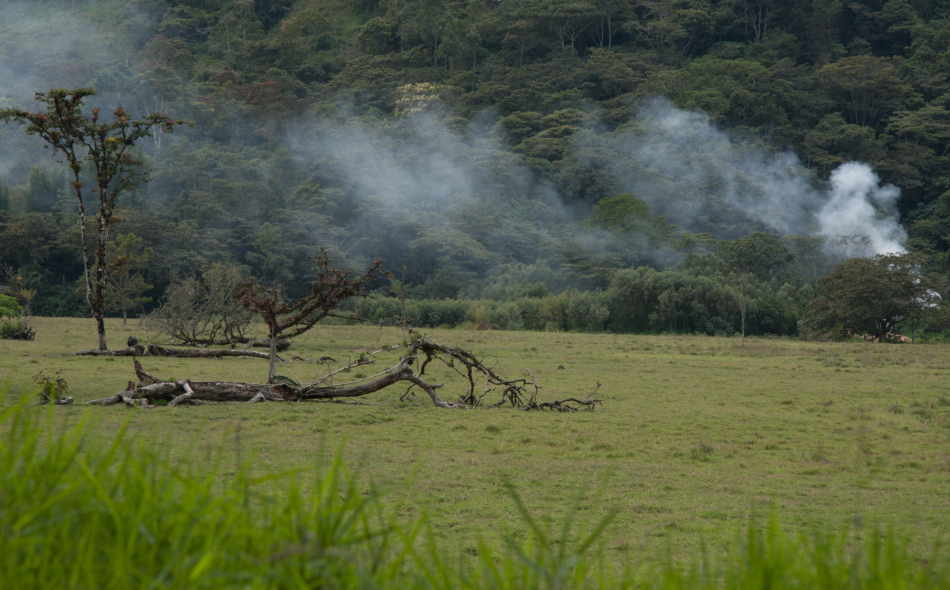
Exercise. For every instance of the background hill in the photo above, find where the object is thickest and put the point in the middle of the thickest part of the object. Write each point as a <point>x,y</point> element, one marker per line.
<point>480,147</point>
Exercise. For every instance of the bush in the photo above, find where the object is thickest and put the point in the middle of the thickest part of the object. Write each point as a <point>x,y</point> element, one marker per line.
<point>16,329</point>
<point>9,307</point>
<point>719,327</point>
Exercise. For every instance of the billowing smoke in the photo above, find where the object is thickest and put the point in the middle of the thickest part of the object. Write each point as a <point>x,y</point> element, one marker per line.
<point>855,205</point>
<point>706,180</point>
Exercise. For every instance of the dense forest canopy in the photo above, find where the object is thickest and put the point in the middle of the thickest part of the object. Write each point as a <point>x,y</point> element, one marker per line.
<point>622,164</point>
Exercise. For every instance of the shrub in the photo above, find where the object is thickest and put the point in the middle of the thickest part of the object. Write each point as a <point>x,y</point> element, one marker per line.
<point>9,307</point>
<point>16,329</point>
<point>718,327</point>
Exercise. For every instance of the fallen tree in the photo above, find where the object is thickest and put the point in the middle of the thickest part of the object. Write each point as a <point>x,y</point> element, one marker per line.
<point>419,353</point>
<point>155,350</point>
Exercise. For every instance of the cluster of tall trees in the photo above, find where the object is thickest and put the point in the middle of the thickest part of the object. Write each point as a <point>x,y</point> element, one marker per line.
<point>473,145</point>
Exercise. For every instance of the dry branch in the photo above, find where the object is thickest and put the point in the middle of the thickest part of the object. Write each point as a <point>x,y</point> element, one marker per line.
<point>156,350</point>
<point>137,350</point>
<point>564,405</point>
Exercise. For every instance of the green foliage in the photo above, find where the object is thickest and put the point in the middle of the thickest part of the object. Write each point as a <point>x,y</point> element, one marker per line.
<point>761,255</point>
<point>43,190</point>
<point>9,307</point>
<point>874,295</point>
<point>6,203</point>
<point>638,300</point>
<point>623,211</point>
<point>126,258</point>
<point>52,387</point>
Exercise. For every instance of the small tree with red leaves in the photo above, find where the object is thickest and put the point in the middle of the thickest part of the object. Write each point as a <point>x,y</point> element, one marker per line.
<point>102,149</point>
<point>286,320</point>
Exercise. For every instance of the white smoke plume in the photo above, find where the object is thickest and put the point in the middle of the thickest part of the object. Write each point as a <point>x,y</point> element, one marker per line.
<point>704,179</point>
<point>853,208</point>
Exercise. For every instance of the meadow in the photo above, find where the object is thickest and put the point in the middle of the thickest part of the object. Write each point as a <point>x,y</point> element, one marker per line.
<point>696,436</point>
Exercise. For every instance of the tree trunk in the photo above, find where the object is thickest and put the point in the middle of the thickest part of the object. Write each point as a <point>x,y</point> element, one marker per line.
<point>99,297</point>
<point>101,327</point>
<point>742,309</point>
<point>272,370</point>
<point>124,316</point>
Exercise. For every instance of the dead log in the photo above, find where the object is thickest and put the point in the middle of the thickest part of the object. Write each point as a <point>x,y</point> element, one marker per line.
<point>155,350</point>
<point>189,393</point>
<point>144,378</point>
<point>177,392</point>
<point>196,392</point>
<point>137,350</point>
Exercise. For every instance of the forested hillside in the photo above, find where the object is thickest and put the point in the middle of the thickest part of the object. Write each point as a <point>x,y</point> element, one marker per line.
<point>649,162</point>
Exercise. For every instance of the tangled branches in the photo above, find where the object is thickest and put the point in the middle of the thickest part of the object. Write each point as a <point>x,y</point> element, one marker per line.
<point>513,391</point>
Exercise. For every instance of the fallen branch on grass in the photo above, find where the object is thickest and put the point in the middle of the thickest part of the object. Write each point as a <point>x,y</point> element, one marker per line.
<point>155,350</point>
<point>323,389</point>
<point>137,350</point>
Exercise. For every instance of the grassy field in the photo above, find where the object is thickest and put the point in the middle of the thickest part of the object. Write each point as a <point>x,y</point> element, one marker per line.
<point>696,434</point>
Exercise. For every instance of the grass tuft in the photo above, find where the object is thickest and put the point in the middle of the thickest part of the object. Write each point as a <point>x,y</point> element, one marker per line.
<point>703,452</point>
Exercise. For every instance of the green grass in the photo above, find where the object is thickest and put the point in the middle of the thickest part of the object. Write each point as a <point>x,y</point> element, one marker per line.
<point>697,435</point>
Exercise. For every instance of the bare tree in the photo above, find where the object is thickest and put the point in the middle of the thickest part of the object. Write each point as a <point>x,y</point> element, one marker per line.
<point>757,14</point>
<point>204,310</point>
<point>285,320</point>
<point>742,299</point>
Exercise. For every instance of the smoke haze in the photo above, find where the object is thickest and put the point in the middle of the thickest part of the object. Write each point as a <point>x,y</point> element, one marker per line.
<point>698,176</point>
<point>703,179</point>
<point>432,166</point>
